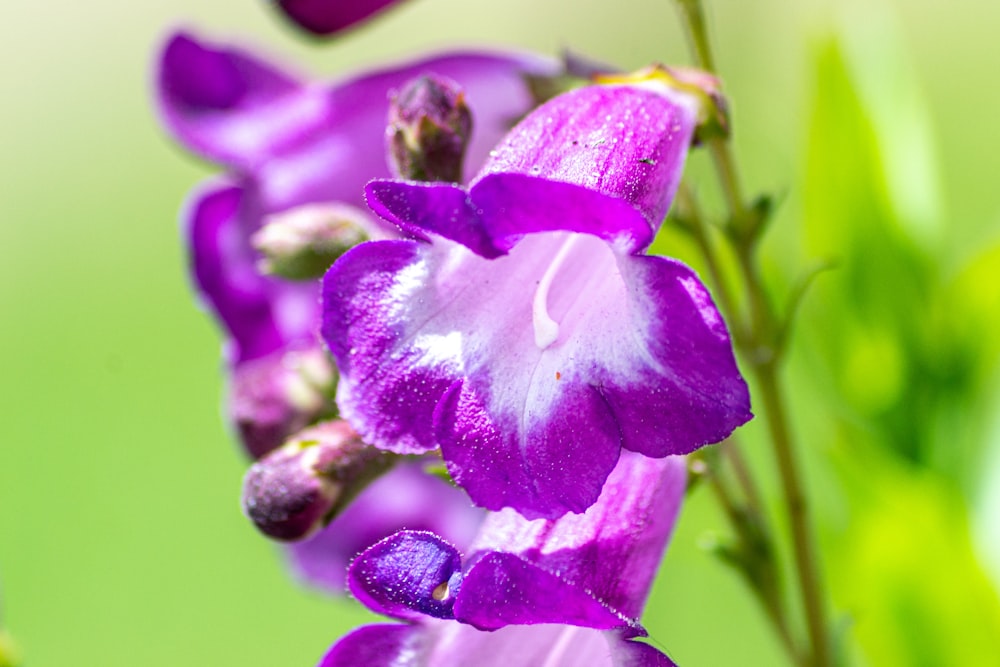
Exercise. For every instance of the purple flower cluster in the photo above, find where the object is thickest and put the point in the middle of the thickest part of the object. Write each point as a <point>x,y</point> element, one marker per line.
<point>387,311</point>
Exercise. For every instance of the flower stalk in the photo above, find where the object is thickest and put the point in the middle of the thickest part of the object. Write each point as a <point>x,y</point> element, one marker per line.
<point>757,336</point>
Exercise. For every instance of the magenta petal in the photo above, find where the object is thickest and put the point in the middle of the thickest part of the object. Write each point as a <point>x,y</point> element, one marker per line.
<point>327,17</point>
<point>502,589</point>
<point>443,209</point>
<point>200,78</point>
<point>390,405</point>
<point>491,218</point>
<point>515,204</point>
<point>306,143</point>
<point>386,645</point>
<point>627,142</point>
<point>556,466</point>
<point>221,102</point>
<point>700,396</point>
<point>224,270</point>
<point>408,575</point>
<point>612,550</point>
<point>449,644</point>
<point>637,654</point>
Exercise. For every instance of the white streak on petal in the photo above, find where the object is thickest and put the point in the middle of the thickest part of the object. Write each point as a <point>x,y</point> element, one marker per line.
<point>547,329</point>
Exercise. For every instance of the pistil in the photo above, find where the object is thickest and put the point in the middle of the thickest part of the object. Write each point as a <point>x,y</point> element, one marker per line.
<point>546,328</point>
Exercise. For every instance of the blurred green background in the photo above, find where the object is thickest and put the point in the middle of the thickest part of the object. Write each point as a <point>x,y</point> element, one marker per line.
<point>121,539</point>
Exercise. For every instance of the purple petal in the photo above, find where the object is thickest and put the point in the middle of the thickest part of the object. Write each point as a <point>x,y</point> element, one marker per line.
<point>385,645</point>
<point>261,314</point>
<point>224,103</point>
<point>517,204</point>
<point>442,209</point>
<point>450,644</point>
<point>223,266</point>
<point>406,498</point>
<point>326,17</point>
<point>502,589</point>
<point>408,575</point>
<point>699,395</point>
<point>549,446</point>
<point>395,404</point>
<point>614,549</point>
<point>447,644</point>
<point>539,464</point>
<point>637,654</point>
<point>308,143</point>
<point>627,142</point>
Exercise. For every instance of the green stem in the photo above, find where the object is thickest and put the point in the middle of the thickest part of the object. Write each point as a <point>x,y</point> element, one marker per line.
<point>722,158</point>
<point>760,343</point>
<point>754,558</point>
<point>698,227</point>
<point>795,505</point>
<point>743,475</point>
<point>697,33</point>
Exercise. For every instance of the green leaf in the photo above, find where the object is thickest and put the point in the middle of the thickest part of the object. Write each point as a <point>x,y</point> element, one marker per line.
<point>906,571</point>
<point>874,321</point>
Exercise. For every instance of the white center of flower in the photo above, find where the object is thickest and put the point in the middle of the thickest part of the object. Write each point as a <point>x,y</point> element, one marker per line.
<point>547,329</point>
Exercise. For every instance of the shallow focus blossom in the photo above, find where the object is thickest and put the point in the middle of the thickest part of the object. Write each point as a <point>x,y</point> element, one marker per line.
<point>556,593</point>
<point>522,328</point>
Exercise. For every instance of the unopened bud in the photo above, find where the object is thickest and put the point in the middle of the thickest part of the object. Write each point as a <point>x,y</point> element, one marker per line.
<point>273,397</point>
<point>298,488</point>
<point>429,129</point>
<point>302,243</point>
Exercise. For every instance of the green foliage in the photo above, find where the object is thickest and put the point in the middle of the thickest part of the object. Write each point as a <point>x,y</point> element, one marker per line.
<point>891,332</point>
<point>906,572</point>
<point>903,351</point>
<point>867,312</point>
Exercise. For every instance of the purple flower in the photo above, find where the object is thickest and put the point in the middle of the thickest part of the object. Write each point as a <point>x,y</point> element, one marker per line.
<point>291,145</point>
<point>524,331</point>
<point>326,17</point>
<point>542,592</point>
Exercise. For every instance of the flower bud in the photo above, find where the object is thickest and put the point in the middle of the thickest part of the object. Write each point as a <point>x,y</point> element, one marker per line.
<point>429,129</point>
<point>297,489</point>
<point>302,243</point>
<point>272,397</point>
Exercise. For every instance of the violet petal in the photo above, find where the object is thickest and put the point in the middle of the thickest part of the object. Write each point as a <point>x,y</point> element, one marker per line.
<point>328,17</point>
<point>408,575</point>
<point>385,645</point>
<point>502,589</point>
